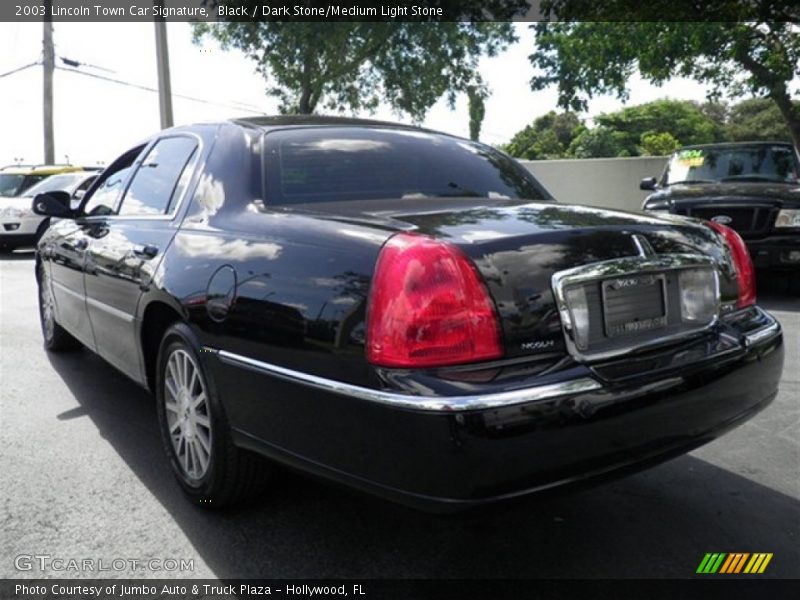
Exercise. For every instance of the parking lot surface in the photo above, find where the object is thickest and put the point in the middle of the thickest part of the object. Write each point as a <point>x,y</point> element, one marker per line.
<point>83,476</point>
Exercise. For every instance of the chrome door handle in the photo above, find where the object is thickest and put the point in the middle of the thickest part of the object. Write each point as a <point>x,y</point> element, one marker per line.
<point>145,251</point>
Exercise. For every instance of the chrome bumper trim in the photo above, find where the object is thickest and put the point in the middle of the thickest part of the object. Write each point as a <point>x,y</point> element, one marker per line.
<point>764,333</point>
<point>425,403</point>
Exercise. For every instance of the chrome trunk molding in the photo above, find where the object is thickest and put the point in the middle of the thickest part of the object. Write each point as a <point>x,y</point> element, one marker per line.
<point>644,263</point>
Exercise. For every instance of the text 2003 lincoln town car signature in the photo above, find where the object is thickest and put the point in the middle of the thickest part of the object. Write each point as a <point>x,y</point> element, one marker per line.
<point>403,311</point>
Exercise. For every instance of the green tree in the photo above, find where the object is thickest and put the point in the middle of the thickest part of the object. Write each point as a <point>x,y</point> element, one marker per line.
<point>717,112</point>
<point>599,142</point>
<point>549,136</point>
<point>476,95</point>
<point>756,119</point>
<point>658,144</point>
<point>683,119</point>
<point>740,47</point>
<point>353,66</point>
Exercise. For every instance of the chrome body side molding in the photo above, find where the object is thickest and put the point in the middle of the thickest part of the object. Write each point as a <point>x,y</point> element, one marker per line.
<point>408,401</point>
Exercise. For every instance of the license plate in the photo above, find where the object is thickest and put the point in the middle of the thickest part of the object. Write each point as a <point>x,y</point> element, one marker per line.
<point>634,304</point>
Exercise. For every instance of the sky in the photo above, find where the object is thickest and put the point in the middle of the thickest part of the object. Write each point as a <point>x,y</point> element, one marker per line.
<point>96,120</point>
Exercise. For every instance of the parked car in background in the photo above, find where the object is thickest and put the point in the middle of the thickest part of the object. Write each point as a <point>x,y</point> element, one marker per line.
<point>20,226</point>
<point>15,179</point>
<point>752,187</point>
<point>398,310</point>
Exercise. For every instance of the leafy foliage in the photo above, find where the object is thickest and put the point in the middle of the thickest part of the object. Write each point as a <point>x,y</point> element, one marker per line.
<point>599,142</point>
<point>342,65</point>
<point>682,119</point>
<point>655,128</point>
<point>757,54</point>
<point>658,144</point>
<point>548,137</point>
<point>476,95</point>
<point>756,119</point>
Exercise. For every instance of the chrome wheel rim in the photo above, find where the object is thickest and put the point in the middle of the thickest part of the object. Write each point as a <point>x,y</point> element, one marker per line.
<point>46,298</point>
<point>188,414</point>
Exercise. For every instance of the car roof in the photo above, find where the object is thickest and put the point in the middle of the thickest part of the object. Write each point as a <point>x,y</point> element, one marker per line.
<point>41,169</point>
<point>735,144</point>
<point>292,121</point>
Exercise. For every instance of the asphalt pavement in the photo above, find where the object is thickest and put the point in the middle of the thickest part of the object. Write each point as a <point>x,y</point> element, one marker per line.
<point>82,475</point>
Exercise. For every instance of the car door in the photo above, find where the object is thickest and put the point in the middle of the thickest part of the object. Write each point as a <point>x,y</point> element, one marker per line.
<point>125,247</point>
<point>65,255</point>
<point>66,252</point>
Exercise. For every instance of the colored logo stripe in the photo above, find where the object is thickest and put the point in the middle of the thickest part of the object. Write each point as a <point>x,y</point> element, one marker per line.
<point>734,562</point>
<point>758,563</point>
<point>711,562</point>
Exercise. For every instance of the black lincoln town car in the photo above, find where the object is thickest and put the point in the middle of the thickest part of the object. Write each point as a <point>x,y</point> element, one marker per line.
<point>398,310</point>
<point>752,187</point>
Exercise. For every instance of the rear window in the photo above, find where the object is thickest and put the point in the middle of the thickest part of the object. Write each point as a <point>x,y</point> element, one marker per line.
<point>335,164</point>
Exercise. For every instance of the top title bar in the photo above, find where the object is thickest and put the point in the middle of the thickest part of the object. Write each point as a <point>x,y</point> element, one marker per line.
<point>393,10</point>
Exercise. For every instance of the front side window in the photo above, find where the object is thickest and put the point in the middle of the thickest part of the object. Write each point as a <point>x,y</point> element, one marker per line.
<point>334,164</point>
<point>86,184</point>
<point>104,200</point>
<point>160,179</point>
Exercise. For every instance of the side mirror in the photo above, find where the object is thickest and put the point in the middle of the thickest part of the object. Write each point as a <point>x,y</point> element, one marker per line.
<point>648,183</point>
<point>52,204</point>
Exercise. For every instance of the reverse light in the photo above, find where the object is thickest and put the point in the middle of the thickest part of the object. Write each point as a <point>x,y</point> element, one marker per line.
<point>428,307</point>
<point>579,315</point>
<point>742,263</point>
<point>788,218</point>
<point>698,295</point>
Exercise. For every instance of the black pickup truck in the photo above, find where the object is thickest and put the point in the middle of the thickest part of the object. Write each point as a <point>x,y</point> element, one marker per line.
<point>752,187</point>
<point>403,311</point>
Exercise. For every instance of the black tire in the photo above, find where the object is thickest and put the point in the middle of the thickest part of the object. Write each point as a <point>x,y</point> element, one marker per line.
<point>56,338</point>
<point>231,474</point>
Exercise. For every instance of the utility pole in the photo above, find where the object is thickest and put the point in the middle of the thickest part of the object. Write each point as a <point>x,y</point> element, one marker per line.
<point>48,62</point>
<point>162,58</point>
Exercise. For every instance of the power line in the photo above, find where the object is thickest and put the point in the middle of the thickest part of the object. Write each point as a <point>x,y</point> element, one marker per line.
<point>146,88</point>
<point>76,63</point>
<point>18,69</point>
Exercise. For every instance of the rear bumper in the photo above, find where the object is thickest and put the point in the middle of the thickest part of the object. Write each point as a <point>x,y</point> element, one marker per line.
<point>775,252</point>
<point>639,412</point>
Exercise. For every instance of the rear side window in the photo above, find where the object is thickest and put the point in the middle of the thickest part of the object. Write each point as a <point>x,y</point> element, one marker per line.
<point>334,164</point>
<point>160,179</point>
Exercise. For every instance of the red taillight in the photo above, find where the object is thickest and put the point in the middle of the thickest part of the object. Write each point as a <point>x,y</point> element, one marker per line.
<point>745,273</point>
<point>428,307</point>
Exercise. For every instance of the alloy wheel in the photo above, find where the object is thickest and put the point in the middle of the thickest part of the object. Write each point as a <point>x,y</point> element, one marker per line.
<point>188,414</point>
<point>47,308</point>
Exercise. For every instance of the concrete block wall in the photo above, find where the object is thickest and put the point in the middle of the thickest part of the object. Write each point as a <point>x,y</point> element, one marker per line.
<point>606,182</point>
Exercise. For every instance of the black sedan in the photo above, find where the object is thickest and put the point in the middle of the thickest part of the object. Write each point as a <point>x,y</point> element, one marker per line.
<point>752,187</point>
<point>399,310</point>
